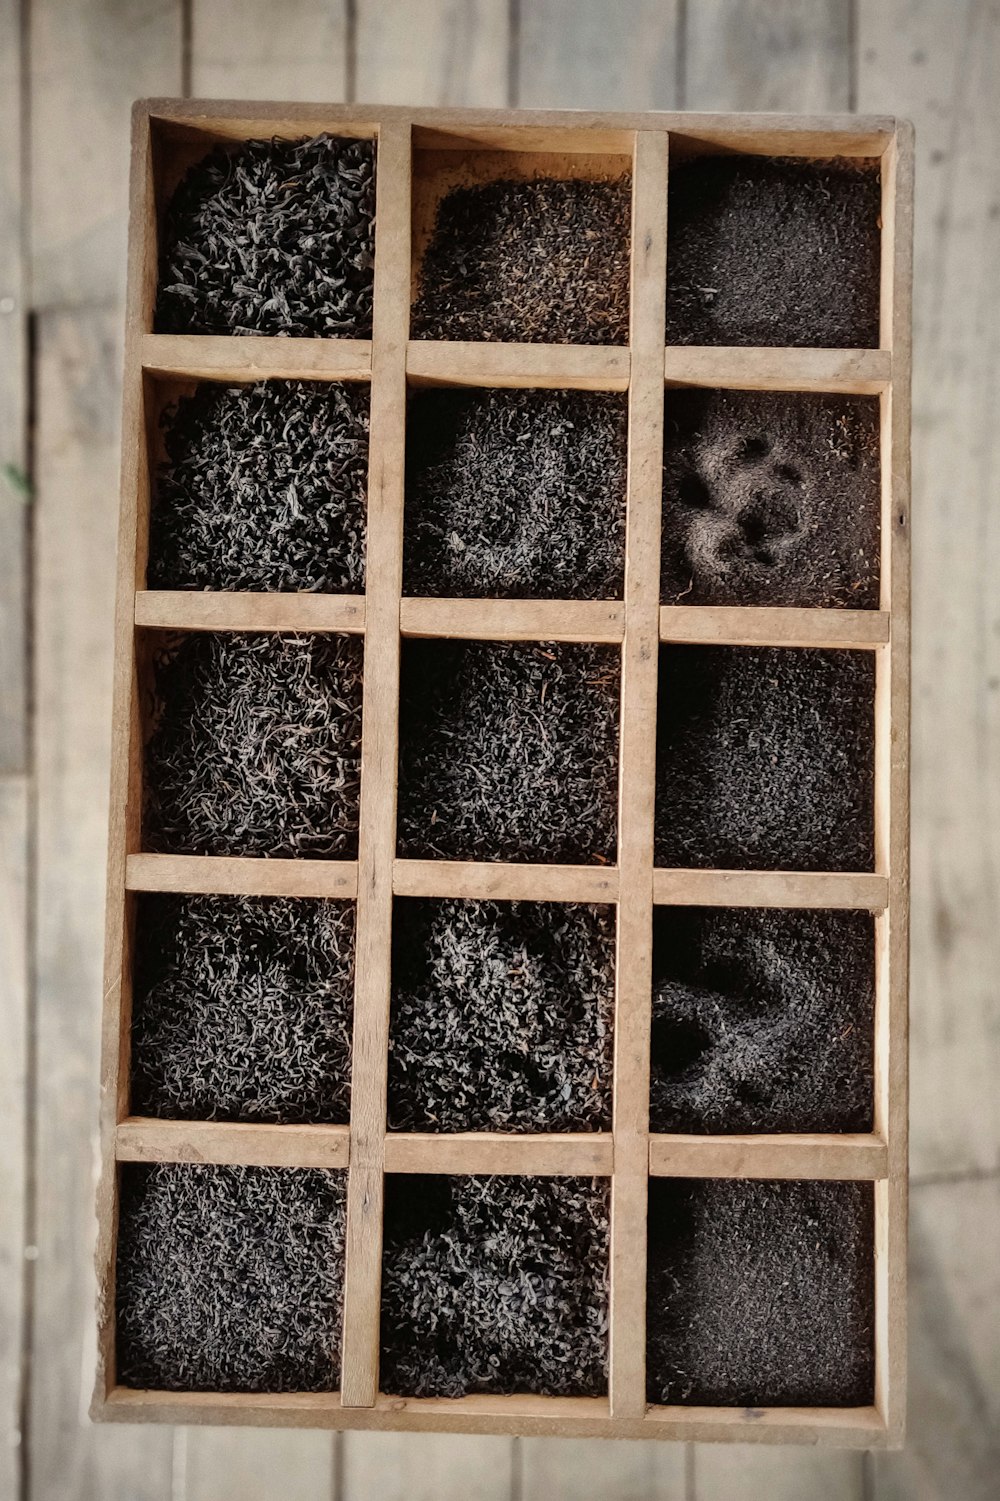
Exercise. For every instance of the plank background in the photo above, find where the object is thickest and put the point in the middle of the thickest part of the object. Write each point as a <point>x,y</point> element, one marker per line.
<point>68,71</point>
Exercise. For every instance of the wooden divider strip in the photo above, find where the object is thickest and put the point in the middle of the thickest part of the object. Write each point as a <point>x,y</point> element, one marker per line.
<point>140,1139</point>
<point>769,888</point>
<point>496,882</point>
<point>514,619</point>
<point>779,1156</point>
<point>196,610</point>
<point>377,837</point>
<point>229,875</point>
<point>734,625</point>
<point>637,782</point>
<point>861,371</point>
<point>585,1153</point>
<point>240,357</point>
<point>580,367</point>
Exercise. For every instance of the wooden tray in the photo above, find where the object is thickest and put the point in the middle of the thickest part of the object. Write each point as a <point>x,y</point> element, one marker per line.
<point>418,151</point>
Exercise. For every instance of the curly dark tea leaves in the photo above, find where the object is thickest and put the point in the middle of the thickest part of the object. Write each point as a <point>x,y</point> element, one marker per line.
<point>771,498</point>
<point>542,261</point>
<point>516,494</point>
<point>272,237</point>
<point>502,1016</point>
<point>774,251</point>
<point>255,746</point>
<point>495,1285</point>
<point>763,1020</point>
<point>760,1294</point>
<point>509,751</point>
<point>263,487</point>
<point>242,1009</point>
<point>230,1279</point>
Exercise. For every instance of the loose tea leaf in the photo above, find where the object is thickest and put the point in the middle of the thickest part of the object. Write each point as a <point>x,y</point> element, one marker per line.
<point>495,1285</point>
<point>544,261</point>
<point>242,1009</point>
<point>272,237</point>
<point>502,1016</point>
<point>516,494</point>
<point>255,746</point>
<point>264,487</point>
<point>230,1278</point>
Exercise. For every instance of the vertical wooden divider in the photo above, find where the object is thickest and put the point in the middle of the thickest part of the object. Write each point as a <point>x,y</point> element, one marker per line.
<point>379,736</point>
<point>637,773</point>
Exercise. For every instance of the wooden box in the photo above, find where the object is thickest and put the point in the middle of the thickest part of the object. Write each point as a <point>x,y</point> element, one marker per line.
<point>418,153</point>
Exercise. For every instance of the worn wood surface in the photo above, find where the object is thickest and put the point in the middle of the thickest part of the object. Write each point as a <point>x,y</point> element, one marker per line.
<point>935,60</point>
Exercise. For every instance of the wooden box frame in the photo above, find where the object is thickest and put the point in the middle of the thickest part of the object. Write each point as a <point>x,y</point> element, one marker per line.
<point>167,134</point>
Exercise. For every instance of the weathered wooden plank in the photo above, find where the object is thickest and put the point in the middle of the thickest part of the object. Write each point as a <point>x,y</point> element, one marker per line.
<point>78,401</point>
<point>587,56</point>
<point>761,55</point>
<point>245,49</point>
<point>426,1467</point>
<point>432,52</point>
<point>953,1432</point>
<point>588,1470</point>
<point>14,813</point>
<point>255,1464</point>
<point>88,62</point>
<point>938,65</point>
<point>767,55</point>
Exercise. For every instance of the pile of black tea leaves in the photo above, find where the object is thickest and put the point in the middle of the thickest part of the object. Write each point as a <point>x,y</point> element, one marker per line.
<point>516,494</point>
<point>495,1284</point>
<point>502,1016</point>
<point>760,1293</point>
<point>774,251</point>
<point>763,1020</point>
<point>508,751</point>
<point>771,498</point>
<point>230,1279</point>
<point>263,487</point>
<point>242,1008</point>
<point>538,261</point>
<point>272,237</point>
<point>254,745</point>
<point>765,758</point>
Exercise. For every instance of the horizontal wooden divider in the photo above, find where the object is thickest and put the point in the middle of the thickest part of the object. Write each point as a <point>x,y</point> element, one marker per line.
<point>141,1139</point>
<point>514,619</point>
<point>779,1156</point>
<point>769,888</point>
<point>250,357</point>
<point>749,625</point>
<point>863,372</point>
<point>527,883</point>
<point>579,1153</point>
<point>200,610</point>
<point>581,367</point>
<point>822,1427</point>
<point>230,875</point>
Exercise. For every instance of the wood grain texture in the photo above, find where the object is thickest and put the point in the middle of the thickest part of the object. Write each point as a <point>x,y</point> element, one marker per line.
<point>79,357</point>
<point>432,52</point>
<point>88,61</point>
<point>569,59</point>
<point>779,1156</point>
<point>767,55</point>
<point>496,882</point>
<point>514,619</point>
<point>197,610</point>
<point>861,371</point>
<point>245,357</point>
<point>14,835</point>
<point>237,876</point>
<point>143,1139</point>
<point>581,1154</point>
<point>938,65</point>
<point>580,367</point>
<point>244,49</point>
<point>763,625</point>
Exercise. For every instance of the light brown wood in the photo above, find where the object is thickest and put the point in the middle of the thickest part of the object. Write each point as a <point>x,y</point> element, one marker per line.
<point>769,888</point>
<point>175,609</point>
<point>376,844</point>
<point>246,357</point>
<point>734,625</point>
<point>580,1153</point>
<point>140,1139</point>
<point>637,772</point>
<point>230,875</point>
<point>514,619</point>
<point>580,367</point>
<point>779,1156</point>
<point>526,883</point>
<point>862,371</point>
